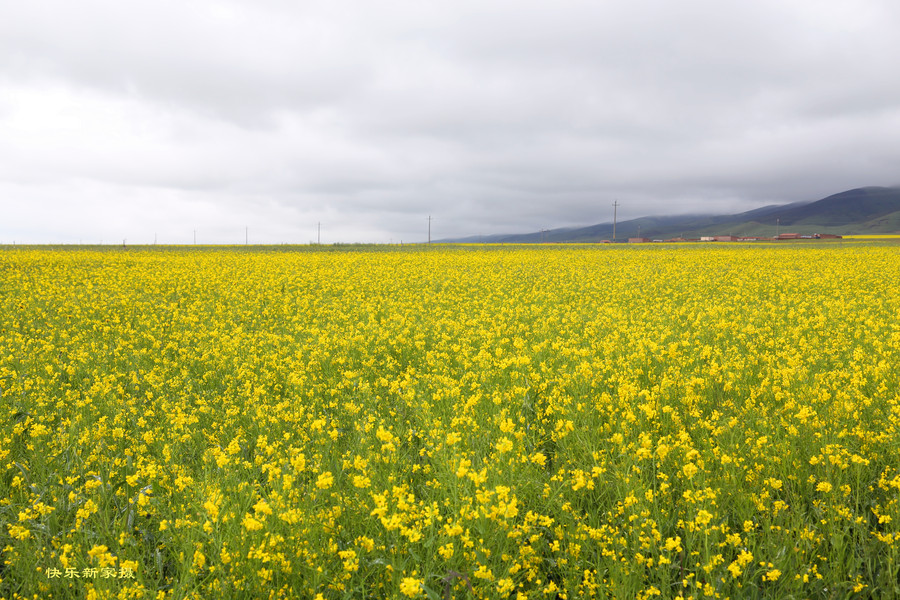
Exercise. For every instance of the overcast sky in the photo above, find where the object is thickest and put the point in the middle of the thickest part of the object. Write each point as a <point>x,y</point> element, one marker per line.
<point>152,120</point>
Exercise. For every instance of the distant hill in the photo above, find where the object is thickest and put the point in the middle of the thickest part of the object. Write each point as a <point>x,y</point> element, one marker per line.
<point>865,210</point>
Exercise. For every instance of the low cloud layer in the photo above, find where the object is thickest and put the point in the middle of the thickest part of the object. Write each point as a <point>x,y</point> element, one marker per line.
<point>165,120</point>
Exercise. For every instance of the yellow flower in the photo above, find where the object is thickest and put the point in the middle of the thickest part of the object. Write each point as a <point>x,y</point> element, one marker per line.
<point>325,480</point>
<point>350,561</point>
<point>539,458</point>
<point>703,517</point>
<point>102,555</point>
<point>411,587</point>
<point>212,509</point>
<point>446,551</point>
<point>505,586</point>
<point>366,542</point>
<point>251,524</point>
<point>84,512</point>
<point>90,484</point>
<point>19,532</point>
<point>262,507</point>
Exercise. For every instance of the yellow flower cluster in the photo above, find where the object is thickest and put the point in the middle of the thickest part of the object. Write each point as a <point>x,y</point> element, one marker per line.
<point>503,422</point>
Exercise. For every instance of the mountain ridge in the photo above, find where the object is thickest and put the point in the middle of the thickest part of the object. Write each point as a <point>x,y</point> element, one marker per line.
<point>865,210</point>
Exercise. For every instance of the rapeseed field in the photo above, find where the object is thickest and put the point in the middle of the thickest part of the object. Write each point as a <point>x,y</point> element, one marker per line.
<point>715,421</point>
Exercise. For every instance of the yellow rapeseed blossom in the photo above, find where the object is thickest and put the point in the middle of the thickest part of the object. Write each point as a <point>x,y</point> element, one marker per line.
<point>325,480</point>
<point>101,555</point>
<point>18,532</point>
<point>771,575</point>
<point>251,524</point>
<point>581,420</point>
<point>411,587</point>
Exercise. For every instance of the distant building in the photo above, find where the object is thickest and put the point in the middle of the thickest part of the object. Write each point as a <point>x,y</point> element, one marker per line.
<point>788,236</point>
<point>726,238</point>
<point>707,238</point>
<point>828,236</point>
<point>638,240</point>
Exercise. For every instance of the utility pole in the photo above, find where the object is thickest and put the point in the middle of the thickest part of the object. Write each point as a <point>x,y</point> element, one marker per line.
<point>777,227</point>
<point>429,229</point>
<point>615,208</point>
<point>246,236</point>
<point>195,237</point>
<point>319,234</point>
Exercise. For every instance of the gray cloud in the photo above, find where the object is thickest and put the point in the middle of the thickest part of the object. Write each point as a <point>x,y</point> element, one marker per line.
<point>135,120</point>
